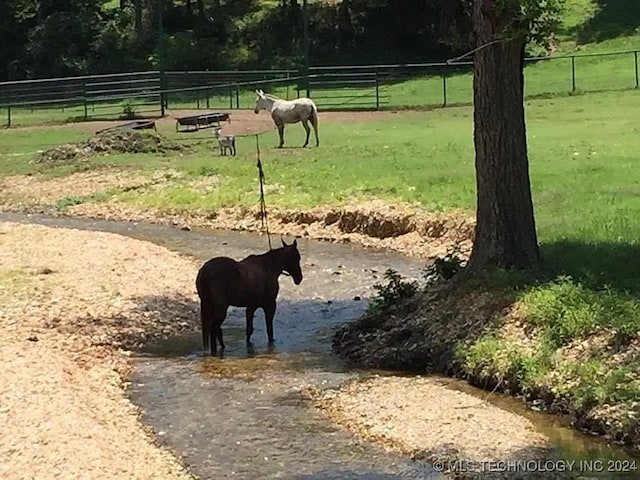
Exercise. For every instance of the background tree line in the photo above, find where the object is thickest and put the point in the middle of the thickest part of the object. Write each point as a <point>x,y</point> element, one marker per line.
<point>50,38</point>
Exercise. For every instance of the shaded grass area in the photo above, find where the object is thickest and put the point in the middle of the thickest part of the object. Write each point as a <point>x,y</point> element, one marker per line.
<point>610,19</point>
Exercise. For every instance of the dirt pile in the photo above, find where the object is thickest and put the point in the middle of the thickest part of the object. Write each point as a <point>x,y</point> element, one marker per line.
<point>112,141</point>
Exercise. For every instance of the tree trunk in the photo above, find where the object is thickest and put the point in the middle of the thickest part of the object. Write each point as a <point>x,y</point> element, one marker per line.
<point>188,8</point>
<point>505,234</point>
<point>138,16</point>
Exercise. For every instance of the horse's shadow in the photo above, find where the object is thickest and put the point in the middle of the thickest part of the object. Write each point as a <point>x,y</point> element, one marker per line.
<point>292,147</point>
<point>303,328</point>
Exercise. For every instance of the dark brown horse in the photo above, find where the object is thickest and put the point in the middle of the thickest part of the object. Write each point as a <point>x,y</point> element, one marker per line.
<point>251,283</point>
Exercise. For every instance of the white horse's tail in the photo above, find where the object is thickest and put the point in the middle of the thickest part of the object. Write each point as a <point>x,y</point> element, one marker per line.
<point>314,121</point>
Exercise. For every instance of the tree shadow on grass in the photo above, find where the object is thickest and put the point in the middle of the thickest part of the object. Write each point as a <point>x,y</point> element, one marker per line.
<point>612,18</point>
<point>597,265</point>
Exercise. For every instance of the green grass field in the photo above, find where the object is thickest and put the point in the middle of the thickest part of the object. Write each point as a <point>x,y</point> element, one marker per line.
<point>584,169</point>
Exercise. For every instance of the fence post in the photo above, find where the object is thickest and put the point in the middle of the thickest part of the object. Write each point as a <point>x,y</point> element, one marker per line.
<point>573,73</point>
<point>287,85</point>
<point>8,116</point>
<point>635,56</point>
<point>377,90</point>
<point>84,99</point>
<point>230,96</point>
<point>237,97</point>
<point>444,88</point>
<point>207,93</point>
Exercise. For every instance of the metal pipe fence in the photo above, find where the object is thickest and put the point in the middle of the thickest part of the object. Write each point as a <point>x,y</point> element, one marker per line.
<point>343,87</point>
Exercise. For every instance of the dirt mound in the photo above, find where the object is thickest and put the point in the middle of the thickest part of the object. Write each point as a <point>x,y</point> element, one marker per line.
<point>114,141</point>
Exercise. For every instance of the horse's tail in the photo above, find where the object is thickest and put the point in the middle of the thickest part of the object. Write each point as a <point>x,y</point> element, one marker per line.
<point>314,121</point>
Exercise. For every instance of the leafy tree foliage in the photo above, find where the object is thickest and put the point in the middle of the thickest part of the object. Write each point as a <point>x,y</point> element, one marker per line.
<point>63,37</point>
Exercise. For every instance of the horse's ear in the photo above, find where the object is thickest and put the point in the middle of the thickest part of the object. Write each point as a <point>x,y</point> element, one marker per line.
<point>283,243</point>
<point>295,242</point>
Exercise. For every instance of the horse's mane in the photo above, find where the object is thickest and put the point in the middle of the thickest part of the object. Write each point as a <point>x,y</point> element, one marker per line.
<point>271,97</point>
<point>264,254</point>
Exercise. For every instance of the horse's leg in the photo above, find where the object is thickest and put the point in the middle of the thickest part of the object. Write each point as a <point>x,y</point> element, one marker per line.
<point>314,124</point>
<point>218,317</point>
<point>305,124</point>
<point>249,313</point>
<point>219,334</point>
<point>281,133</point>
<point>269,312</point>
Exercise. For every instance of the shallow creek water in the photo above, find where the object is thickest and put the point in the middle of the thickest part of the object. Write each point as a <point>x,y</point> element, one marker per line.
<point>242,416</point>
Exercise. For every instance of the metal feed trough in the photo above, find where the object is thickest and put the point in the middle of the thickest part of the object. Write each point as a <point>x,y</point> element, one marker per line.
<point>201,121</point>
<point>137,125</point>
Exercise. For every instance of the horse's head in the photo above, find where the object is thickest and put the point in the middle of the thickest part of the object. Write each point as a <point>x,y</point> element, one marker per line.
<point>292,261</point>
<point>262,102</point>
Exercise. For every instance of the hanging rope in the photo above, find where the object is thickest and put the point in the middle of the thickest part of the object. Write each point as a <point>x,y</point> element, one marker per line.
<point>263,206</point>
<point>471,52</point>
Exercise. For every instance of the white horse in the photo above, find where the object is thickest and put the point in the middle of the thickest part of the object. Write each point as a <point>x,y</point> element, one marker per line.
<point>289,111</point>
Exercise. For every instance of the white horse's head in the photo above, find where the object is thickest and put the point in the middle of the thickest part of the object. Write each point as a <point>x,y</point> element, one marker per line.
<point>262,102</point>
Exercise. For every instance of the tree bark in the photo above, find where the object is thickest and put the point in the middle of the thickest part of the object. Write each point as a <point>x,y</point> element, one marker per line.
<point>505,234</point>
<point>138,16</point>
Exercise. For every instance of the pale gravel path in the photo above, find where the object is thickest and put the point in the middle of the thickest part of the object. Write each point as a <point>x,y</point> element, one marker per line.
<point>421,417</point>
<point>63,410</point>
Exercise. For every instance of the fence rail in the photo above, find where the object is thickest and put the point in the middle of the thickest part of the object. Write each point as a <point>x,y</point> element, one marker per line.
<point>342,87</point>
